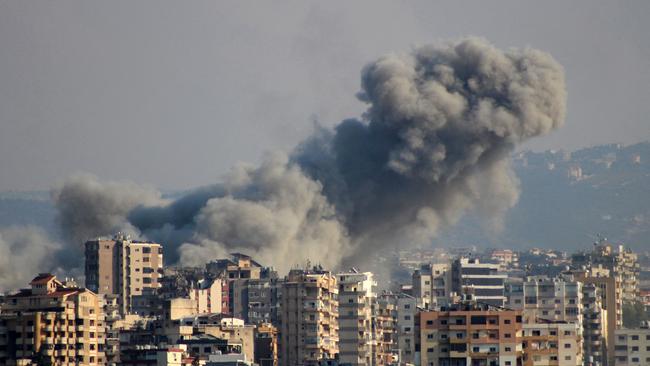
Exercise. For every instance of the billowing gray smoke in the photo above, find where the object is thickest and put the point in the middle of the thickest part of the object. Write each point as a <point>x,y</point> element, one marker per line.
<point>24,252</point>
<point>433,144</point>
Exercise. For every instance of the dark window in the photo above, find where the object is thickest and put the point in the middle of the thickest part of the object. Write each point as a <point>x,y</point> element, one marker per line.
<point>478,320</point>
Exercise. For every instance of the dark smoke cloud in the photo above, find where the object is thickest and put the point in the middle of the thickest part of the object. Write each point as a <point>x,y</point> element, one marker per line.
<point>433,144</point>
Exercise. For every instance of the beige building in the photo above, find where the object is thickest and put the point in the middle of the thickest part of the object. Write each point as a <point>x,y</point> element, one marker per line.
<point>51,322</point>
<point>552,344</point>
<point>622,262</point>
<point>546,299</point>
<point>357,297</point>
<point>123,267</point>
<point>208,296</point>
<point>594,322</point>
<point>610,294</point>
<point>239,336</point>
<point>310,310</point>
<point>385,319</point>
<point>432,285</point>
<point>633,346</point>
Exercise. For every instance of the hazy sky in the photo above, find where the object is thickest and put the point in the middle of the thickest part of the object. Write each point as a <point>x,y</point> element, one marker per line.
<point>172,93</point>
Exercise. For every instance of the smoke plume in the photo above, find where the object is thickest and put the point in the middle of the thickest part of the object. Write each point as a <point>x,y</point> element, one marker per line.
<point>433,144</point>
<point>24,252</point>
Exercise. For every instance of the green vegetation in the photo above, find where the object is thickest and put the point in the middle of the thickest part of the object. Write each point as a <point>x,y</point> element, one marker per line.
<point>633,314</point>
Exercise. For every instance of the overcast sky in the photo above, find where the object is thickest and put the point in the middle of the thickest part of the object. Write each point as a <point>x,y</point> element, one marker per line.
<point>172,93</point>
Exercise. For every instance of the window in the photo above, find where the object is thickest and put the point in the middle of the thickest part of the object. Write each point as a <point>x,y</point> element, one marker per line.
<point>460,335</point>
<point>478,320</point>
<point>508,335</point>
<point>567,345</point>
<point>407,317</point>
<point>146,250</point>
<point>475,349</point>
<point>508,349</point>
<point>407,306</point>
<point>430,336</point>
<point>429,322</point>
<point>552,332</point>
<point>508,363</point>
<point>567,332</point>
<point>145,259</point>
<point>635,337</point>
<point>567,358</point>
<point>507,321</point>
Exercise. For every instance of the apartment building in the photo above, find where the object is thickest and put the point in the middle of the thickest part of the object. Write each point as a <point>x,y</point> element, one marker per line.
<point>632,346</point>
<point>309,333</point>
<point>622,262</point>
<point>51,323</point>
<point>253,290</point>
<point>266,345</point>
<point>432,285</point>
<point>547,299</point>
<point>611,300</point>
<point>480,280</point>
<point>208,294</point>
<point>505,257</point>
<point>264,296</point>
<point>406,313</point>
<point>357,297</point>
<point>468,333</point>
<point>123,267</point>
<point>594,325</point>
<point>385,327</point>
<point>552,344</point>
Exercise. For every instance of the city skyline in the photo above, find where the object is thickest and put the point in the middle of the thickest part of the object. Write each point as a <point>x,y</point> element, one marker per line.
<point>300,183</point>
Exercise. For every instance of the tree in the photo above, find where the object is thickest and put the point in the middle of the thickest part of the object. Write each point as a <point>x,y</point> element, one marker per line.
<point>633,314</point>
